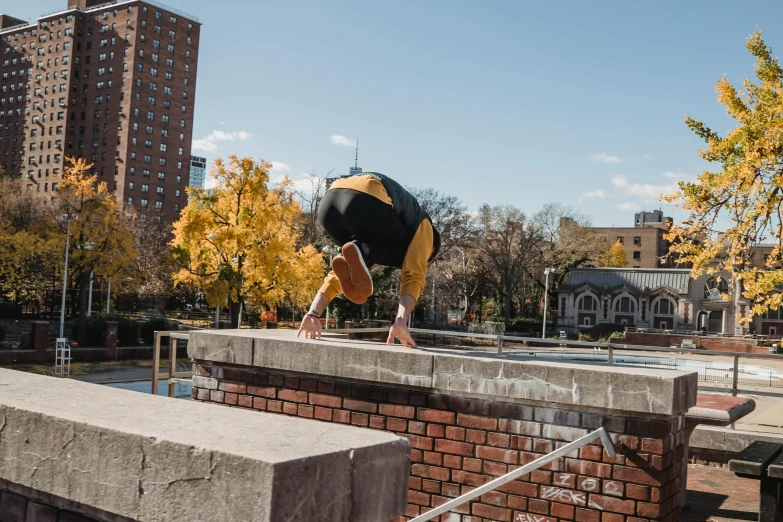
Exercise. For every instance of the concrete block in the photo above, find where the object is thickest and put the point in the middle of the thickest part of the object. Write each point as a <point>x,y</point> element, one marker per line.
<point>225,346</point>
<point>358,360</point>
<point>151,458</point>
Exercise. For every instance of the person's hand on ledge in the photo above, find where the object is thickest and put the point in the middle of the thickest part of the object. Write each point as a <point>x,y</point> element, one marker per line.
<point>311,326</point>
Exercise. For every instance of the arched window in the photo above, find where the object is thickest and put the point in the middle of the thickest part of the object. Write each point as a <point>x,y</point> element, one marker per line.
<point>588,303</point>
<point>625,305</point>
<point>664,306</point>
<point>714,287</point>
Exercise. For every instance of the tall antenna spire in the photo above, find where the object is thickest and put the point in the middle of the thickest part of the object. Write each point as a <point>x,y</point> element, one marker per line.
<point>356,165</point>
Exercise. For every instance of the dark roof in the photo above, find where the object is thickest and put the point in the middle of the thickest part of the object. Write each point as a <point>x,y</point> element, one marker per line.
<point>650,278</point>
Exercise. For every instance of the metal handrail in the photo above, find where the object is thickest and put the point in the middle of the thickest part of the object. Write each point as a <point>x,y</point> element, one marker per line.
<point>524,470</point>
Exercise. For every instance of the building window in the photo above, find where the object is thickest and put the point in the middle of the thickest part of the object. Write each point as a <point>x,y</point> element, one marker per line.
<point>130,186</point>
<point>774,315</point>
<point>158,204</point>
<point>625,305</point>
<point>130,201</point>
<point>160,190</point>
<point>664,306</point>
<point>637,241</point>
<point>143,202</point>
<point>588,303</point>
<point>714,287</point>
<point>637,255</point>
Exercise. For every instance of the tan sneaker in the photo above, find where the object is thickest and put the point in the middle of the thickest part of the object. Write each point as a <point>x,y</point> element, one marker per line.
<point>353,274</point>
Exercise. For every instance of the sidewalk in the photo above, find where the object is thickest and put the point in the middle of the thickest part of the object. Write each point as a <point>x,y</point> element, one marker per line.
<point>717,495</point>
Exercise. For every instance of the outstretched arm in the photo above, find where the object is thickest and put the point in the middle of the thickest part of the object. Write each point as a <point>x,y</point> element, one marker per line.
<point>311,323</point>
<point>400,327</point>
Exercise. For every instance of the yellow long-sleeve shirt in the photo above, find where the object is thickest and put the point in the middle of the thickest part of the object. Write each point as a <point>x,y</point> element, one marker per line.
<point>414,266</point>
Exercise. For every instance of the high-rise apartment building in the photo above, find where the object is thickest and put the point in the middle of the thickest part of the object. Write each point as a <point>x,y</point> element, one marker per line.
<point>111,82</point>
<point>198,171</point>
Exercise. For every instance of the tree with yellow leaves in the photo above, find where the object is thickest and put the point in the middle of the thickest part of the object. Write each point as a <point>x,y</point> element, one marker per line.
<point>239,243</point>
<point>613,257</point>
<point>747,190</point>
<point>100,233</point>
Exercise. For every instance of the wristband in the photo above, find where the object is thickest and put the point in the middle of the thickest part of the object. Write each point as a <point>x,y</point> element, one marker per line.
<point>313,314</point>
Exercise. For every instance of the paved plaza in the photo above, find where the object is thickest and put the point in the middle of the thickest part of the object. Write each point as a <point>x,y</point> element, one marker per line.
<point>717,495</point>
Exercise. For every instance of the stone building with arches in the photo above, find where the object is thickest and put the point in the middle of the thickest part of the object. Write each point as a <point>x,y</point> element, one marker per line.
<point>662,298</point>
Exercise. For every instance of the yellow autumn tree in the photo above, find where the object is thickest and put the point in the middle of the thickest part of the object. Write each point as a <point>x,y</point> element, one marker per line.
<point>99,233</point>
<point>613,257</point>
<point>239,242</point>
<point>746,191</point>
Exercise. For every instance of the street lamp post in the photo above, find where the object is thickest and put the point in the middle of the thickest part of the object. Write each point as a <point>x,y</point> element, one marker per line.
<point>217,308</point>
<point>67,218</point>
<point>547,271</point>
<point>332,251</point>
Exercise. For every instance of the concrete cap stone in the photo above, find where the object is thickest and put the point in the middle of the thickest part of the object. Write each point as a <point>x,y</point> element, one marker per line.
<point>148,458</point>
<point>497,376</point>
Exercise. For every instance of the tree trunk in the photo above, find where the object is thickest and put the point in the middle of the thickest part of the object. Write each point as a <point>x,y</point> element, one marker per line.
<point>234,308</point>
<point>84,290</point>
<point>508,303</point>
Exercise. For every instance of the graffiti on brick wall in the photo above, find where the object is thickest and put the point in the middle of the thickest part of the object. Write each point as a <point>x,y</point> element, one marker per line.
<point>528,517</point>
<point>569,496</point>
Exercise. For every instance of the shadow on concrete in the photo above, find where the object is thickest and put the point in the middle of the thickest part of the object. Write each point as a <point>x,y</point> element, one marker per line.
<point>704,506</point>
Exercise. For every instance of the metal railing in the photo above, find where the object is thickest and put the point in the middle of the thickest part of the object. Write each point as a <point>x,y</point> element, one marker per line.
<point>524,470</point>
<point>173,376</point>
<point>499,343</point>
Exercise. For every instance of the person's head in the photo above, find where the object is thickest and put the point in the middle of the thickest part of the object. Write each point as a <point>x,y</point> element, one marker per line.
<point>435,245</point>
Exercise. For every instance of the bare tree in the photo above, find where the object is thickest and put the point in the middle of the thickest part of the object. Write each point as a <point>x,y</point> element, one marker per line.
<point>312,233</point>
<point>449,216</point>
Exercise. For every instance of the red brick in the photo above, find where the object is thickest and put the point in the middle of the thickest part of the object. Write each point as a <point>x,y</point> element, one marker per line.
<point>342,416</point>
<point>430,486</point>
<point>470,479</point>
<point>343,389</point>
<point>584,467</point>
<point>543,446</point>
<point>564,480</point>
<point>612,517</point>
<point>417,455</point>
<point>450,490</point>
<point>325,387</point>
<point>232,387</point>
<point>497,454</point>
<point>217,396</point>
<point>305,410</point>
<point>309,385</point>
<point>491,512</point>
<point>360,405</point>
<point>291,382</point>
<point>614,488</point>
<point>275,380</point>
<point>396,410</point>
<point>591,453</point>
<point>521,443</point>
<point>432,472</point>
<point>615,505</point>
<point>475,421</point>
<point>292,395</point>
<point>539,506</point>
<point>417,427</point>
<point>263,391</point>
<point>273,406</point>
<point>495,468</point>
<point>635,475</point>
<point>422,443</point>
<point>231,398</point>
<point>419,498</point>
<point>393,424</point>
<point>378,422</point>
<point>360,419</point>
<point>524,516</point>
<point>499,439</point>
<point>652,446</point>
<point>398,396</point>
<point>473,465</point>
<point>452,461</point>
<point>637,492</point>
<point>323,413</point>
<point>454,447</point>
<point>475,436</point>
<point>515,502</point>
<point>261,378</point>
<point>330,401</point>
<point>412,510</point>
<point>541,476</point>
<point>524,489</point>
<point>643,509</point>
<point>563,511</point>
<point>290,408</point>
<point>437,416</point>
<point>588,515</point>
<point>454,433</point>
<point>588,484</point>
<point>494,498</point>
<point>435,459</point>
<point>436,430</point>
<point>246,401</point>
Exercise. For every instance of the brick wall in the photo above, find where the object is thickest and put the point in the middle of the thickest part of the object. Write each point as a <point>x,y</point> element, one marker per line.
<point>703,343</point>
<point>460,443</point>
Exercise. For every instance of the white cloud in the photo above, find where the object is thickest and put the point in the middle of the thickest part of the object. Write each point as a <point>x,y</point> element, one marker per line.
<point>210,142</point>
<point>605,158</point>
<point>677,176</point>
<point>280,168</point>
<point>594,194</point>
<point>337,139</point>
<point>645,191</point>
<point>628,205</point>
<point>205,145</point>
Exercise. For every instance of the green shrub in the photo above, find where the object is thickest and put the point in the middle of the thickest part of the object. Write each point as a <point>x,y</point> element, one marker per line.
<point>148,329</point>
<point>586,338</point>
<point>127,330</point>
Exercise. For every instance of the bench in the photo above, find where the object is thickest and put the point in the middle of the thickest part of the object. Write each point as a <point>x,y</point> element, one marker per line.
<point>763,461</point>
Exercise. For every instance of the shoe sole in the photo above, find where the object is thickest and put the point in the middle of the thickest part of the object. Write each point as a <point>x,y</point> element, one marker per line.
<point>360,274</point>
<point>343,272</point>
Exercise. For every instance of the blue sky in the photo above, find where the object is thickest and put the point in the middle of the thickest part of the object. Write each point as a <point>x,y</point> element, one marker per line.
<point>500,102</point>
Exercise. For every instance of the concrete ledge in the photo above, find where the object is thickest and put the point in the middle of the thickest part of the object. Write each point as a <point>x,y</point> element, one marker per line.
<point>719,410</point>
<point>501,377</point>
<point>152,458</point>
<point>718,439</point>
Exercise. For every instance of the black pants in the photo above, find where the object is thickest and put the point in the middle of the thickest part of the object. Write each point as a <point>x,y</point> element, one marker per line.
<point>348,215</point>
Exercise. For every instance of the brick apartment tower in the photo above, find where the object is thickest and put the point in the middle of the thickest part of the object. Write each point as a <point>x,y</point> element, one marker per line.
<point>111,82</point>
